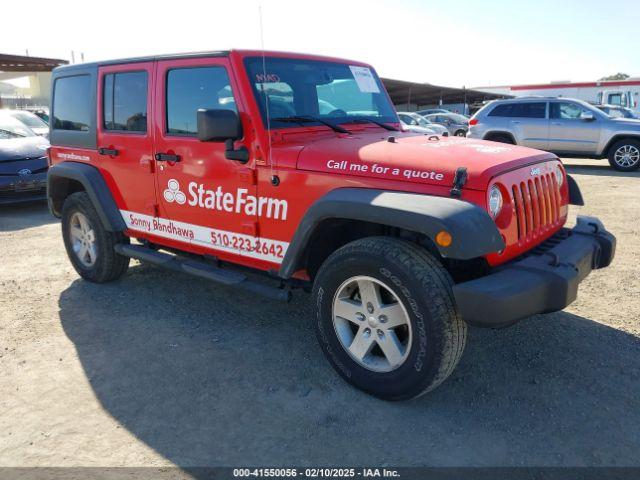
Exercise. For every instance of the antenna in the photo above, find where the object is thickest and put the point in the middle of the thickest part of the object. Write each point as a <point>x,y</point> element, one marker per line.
<point>274,179</point>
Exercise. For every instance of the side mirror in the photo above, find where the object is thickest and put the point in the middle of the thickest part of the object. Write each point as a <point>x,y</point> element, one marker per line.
<point>587,117</point>
<point>218,125</point>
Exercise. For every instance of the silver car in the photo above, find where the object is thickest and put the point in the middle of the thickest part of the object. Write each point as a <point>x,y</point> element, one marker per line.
<point>455,123</point>
<point>563,126</point>
<point>417,123</point>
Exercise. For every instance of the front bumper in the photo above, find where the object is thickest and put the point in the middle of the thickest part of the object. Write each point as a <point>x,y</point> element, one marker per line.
<point>27,188</point>
<point>545,281</point>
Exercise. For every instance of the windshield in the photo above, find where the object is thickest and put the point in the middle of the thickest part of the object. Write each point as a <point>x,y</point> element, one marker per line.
<point>423,122</point>
<point>12,128</point>
<point>30,119</point>
<point>332,92</point>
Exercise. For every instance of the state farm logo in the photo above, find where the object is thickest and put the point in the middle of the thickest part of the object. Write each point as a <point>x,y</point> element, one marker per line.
<point>173,193</point>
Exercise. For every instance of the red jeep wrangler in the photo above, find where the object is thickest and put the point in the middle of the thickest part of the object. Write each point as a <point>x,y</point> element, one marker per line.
<point>270,171</point>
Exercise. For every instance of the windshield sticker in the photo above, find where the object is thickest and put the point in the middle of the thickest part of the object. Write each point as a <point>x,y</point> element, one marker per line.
<point>267,78</point>
<point>365,79</point>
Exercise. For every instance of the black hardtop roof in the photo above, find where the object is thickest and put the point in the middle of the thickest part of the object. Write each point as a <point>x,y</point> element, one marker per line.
<point>151,58</point>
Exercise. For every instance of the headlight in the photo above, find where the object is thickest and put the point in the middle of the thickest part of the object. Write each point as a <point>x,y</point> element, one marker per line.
<point>559,176</point>
<point>495,201</point>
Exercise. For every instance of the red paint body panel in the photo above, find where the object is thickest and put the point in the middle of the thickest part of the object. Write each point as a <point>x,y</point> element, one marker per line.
<point>309,162</point>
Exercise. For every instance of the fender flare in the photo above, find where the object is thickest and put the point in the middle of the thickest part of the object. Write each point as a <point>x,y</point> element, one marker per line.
<point>93,183</point>
<point>474,232</point>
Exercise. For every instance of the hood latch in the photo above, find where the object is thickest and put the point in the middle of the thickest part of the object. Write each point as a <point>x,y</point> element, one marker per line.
<point>459,179</point>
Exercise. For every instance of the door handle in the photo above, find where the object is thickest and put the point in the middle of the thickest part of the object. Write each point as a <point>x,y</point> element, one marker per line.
<point>167,157</point>
<point>557,123</point>
<point>108,151</point>
<point>516,122</point>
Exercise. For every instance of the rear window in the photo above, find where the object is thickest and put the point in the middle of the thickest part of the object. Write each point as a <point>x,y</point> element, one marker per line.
<point>520,110</point>
<point>125,102</point>
<point>71,103</point>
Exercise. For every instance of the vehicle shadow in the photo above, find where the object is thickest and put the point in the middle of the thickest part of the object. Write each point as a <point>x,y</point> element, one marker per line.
<point>25,215</point>
<point>599,170</point>
<point>209,376</point>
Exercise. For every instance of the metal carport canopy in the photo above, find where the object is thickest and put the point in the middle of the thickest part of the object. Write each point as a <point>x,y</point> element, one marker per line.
<point>21,63</point>
<point>403,92</point>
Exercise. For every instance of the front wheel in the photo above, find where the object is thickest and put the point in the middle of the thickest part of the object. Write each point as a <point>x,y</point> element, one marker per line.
<point>386,318</point>
<point>624,155</point>
<point>461,133</point>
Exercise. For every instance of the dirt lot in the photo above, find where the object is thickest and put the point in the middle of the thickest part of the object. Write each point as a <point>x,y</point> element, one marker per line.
<point>161,369</point>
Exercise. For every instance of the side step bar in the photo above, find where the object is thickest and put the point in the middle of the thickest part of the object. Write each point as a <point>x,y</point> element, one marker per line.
<point>202,270</point>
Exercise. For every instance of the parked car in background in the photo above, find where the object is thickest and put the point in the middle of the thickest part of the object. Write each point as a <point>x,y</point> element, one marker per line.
<point>563,126</point>
<point>417,123</point>
<point>42,112</point>
<point>454,122</point>
<point>431,111</point>
<point>31,120</point>
<point>616,111</point>
<point>23,162</point>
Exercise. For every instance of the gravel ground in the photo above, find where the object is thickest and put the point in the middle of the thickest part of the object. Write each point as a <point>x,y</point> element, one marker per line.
<point>159,369</point>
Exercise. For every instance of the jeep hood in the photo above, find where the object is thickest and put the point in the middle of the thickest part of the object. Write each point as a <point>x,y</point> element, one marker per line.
<point>417,158</point>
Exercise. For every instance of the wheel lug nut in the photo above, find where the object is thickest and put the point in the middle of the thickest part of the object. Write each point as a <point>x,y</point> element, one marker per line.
<point>360,316</point>
<point>369,307</point>
<point>383,319</point>
<point>366,332</point>
<point>380,333</point>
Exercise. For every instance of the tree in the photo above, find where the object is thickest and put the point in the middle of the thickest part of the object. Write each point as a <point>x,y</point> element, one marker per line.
<point>617,76</point>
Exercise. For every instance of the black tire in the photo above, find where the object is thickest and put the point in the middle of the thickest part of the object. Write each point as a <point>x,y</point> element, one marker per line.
<point>423,286</point>
<point>461,133</point>
<point>108,265</point>
<point>501,138</point>
<point>632,145</point>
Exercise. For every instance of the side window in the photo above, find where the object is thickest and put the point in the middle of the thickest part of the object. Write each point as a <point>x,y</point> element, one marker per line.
<point>189,89</point>
<point>503,110</point>
<point>530,110</point>
<point>124,100</point>
<point>615,99</point>
<point>71,103</point>
<point>566,111</point>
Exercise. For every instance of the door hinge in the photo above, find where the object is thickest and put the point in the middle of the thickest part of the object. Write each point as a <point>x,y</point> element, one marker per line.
<point>247,175</point>
<point>250,228</point>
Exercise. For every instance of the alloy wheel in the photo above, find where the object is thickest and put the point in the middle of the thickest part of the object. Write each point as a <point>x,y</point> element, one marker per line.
<point>627,156</point>
<point>372,324</point>
<point>83,239</point>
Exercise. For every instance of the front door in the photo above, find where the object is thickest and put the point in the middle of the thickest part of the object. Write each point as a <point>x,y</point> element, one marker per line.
<point>569,133</point>
<point>125,139</point>
<point>203,197</point>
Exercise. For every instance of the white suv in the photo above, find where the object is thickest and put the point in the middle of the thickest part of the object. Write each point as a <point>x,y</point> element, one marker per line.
<point>563,126</point>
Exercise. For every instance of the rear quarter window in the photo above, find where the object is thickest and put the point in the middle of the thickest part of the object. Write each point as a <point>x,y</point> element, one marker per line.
<point>520,110</point>
<point>71,109</point>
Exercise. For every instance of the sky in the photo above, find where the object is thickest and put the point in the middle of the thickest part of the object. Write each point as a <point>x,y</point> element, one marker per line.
<point>452,43</point>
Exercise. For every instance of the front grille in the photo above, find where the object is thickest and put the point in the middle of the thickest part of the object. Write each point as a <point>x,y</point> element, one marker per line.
<point>537,203</point>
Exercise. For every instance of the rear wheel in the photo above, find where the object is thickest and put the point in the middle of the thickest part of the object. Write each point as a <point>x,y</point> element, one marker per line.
<point>89,245</point>
<point>461,133</point>
<point>625,155</point>
<point>386,318</point>
<point>500,138</point>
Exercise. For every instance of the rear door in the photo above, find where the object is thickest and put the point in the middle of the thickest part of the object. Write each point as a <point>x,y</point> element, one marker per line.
<point>569,133</point>
<point>530,124</point>
<point>124,135</point>
<point>202,196</point>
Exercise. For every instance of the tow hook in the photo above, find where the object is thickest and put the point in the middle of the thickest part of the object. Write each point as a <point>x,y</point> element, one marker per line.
<point>459,179</point>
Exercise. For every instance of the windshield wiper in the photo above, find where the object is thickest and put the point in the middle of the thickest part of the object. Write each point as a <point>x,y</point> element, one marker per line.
<point>309,118</point>
<point>15,134</point>
<point>375,122</point>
